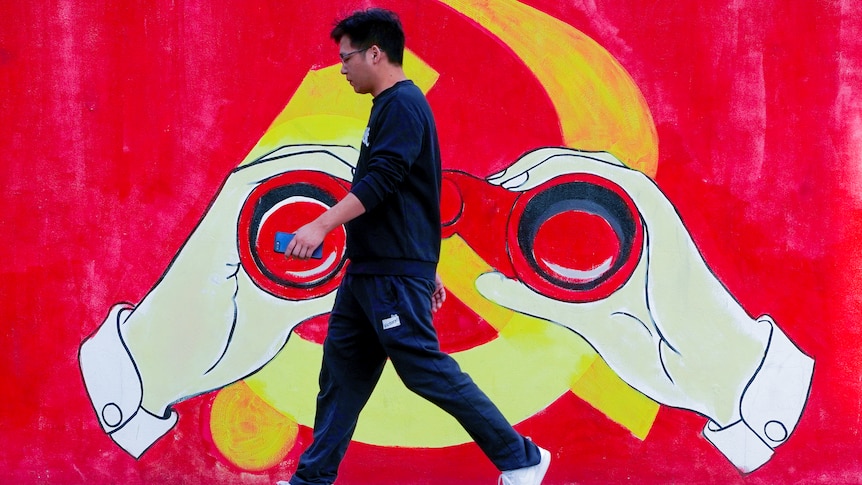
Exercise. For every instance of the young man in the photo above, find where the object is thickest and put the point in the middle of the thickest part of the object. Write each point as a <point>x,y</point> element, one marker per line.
<point>384,304</point>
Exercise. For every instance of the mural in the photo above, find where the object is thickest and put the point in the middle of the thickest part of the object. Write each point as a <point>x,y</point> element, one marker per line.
<point>651,220</point>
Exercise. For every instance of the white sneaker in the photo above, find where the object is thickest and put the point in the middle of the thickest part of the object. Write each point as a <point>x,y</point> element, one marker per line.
<point>529,475</point>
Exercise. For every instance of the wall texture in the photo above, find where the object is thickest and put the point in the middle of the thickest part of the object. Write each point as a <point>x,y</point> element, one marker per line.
<point>652,228</point>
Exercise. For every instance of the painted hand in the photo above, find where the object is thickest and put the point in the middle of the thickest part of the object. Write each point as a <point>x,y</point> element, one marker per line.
<point>671,330</point>
<point>225,306</point>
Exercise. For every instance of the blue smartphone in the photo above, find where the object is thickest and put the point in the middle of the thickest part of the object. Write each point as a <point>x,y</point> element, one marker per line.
<point>282,239</point>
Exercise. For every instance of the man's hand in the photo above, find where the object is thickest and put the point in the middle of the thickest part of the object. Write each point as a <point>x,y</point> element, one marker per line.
<point>305,240</point>
<point>439,295</point>
<point>308,237</point>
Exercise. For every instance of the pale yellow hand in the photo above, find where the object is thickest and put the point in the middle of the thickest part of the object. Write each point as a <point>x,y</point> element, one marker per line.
<point>672,330</point>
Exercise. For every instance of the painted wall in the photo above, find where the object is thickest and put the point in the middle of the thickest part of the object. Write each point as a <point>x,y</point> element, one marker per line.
<point>652,227</point>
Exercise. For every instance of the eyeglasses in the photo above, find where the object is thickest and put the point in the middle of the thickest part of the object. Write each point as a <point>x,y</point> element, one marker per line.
<point>346,57</point>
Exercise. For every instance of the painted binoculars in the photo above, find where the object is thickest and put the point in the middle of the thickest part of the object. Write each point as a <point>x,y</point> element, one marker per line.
<point>577,237</point>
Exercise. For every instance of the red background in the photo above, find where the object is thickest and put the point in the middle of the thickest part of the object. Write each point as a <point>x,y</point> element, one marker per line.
<point>120,122</point>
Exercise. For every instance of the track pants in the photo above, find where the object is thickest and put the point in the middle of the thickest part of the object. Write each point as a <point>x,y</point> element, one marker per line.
<point>375,317</point>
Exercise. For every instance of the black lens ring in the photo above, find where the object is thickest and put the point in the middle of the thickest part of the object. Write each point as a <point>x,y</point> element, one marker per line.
<point>269,200</point>
<point>583,197</point>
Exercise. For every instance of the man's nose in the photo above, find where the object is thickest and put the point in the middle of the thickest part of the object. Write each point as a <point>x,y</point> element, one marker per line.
<point>343,69</point>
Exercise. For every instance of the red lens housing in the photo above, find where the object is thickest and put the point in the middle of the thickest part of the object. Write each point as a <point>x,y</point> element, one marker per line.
<point>577,237</point>
<point>285,203</point>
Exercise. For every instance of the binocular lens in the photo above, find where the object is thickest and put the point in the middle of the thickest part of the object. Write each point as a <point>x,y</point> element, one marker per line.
<point>580,259</point>
<point>577,237</point>
<point>284,204</point>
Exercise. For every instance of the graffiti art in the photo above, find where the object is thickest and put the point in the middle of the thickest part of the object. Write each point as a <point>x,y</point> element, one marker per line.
<point>645,211</point>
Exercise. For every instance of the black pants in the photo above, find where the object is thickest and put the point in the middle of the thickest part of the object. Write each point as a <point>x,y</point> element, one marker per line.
<point>376,317</point>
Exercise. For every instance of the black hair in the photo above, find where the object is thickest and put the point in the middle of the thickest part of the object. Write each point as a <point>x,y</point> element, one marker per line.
<point>375,26</point>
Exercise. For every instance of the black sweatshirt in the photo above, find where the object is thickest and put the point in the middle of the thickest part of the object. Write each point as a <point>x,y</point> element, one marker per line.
<point>397,179</point>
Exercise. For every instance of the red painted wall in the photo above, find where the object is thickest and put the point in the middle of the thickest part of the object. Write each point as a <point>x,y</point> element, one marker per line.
<point>120,122</point>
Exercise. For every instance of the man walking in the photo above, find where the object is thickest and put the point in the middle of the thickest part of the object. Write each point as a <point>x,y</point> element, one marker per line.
<point>384,305</point>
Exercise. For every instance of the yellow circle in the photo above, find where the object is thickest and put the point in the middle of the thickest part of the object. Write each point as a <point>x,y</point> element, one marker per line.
<point>247,431</point>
